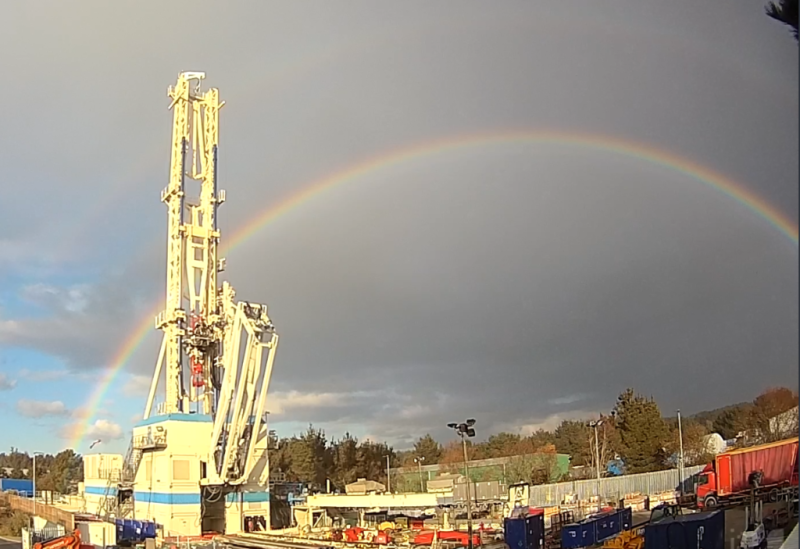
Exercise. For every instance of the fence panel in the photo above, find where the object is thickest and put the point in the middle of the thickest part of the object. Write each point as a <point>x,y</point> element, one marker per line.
<point>53,514</point>
<point>611,487</point>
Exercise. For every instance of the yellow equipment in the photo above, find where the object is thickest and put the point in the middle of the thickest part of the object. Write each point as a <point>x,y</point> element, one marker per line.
<point>628,539</point>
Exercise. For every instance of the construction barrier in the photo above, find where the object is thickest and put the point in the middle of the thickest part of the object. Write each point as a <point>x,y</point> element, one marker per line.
<point>43,510</point>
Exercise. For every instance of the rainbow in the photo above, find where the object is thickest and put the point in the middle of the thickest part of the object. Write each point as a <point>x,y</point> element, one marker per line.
<point>597,142</point>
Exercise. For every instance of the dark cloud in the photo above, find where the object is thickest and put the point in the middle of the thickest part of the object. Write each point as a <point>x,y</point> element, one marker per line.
<point>516,283</point>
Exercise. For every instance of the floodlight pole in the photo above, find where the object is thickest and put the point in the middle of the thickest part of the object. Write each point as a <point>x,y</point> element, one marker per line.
<point>388,476</point>
<point>680,441</point>
<point>419,461</point>
<point>464,430</point>
<point>469,491</point>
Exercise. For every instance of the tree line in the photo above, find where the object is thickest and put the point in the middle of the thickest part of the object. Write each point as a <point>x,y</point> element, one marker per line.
<point>58,473</point>
<point>633,433</point>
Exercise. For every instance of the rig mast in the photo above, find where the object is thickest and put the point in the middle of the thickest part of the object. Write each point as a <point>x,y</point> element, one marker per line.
<point>198,460</point>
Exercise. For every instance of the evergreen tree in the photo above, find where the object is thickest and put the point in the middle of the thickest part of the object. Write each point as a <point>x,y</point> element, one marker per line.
<point>643,433</point>
<point>786,12</point>
<point>428,448</point>
<point>572,438</point>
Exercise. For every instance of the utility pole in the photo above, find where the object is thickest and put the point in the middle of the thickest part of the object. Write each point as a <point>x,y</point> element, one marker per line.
<point>388,476</point>
<point>595,425</point>
<point>418,461</point>
<point>465,430</point>
<point>34,488</point>
<point>680,458</point>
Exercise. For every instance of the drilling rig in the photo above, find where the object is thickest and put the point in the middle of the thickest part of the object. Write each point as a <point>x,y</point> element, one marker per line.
<point>198,459</point>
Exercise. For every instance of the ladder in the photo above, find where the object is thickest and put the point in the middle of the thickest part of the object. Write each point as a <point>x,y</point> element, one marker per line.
<point>108,504</point>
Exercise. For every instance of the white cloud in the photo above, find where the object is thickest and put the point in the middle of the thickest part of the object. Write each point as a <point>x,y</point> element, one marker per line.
<point>552,421</point>
<point>6,383</point>
<point>279,403</point>
<point>40,408</point>
<point>567,399</point>
<point>104,430</point>
<point>137,385</point>
<point>72,299</point>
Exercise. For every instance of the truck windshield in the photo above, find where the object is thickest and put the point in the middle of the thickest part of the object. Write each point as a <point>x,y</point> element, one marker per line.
<point>702,479</point>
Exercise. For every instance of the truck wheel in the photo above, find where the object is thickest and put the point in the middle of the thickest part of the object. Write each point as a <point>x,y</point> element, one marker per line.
<point>772,497</point>
<point>710,502</point>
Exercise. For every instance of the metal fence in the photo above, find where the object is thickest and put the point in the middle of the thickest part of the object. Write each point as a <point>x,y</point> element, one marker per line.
<point>613,487</point>
<point>46,534</point>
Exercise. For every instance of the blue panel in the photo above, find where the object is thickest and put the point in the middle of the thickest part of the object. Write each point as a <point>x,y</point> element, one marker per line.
<point>248,497</point>
<point>589,533</point>
<point>626,518</point>
<point>167,498</point>
<point>23,486</point>
<point>697,531</point>
<point>515,533</point>
<point>196,418</point>
<point>607,526</point>
<point>99,490</point>
<point>571,536</point>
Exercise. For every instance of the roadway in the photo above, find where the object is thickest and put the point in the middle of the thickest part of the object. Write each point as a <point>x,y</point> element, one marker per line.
<point>10,543</point>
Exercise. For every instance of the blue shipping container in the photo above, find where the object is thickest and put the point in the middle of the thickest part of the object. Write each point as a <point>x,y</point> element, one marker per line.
<point>22,486</point>
<point>524,532</point>
<point>607,526</point>
<point>579,534</point>
<point>626,519</point>
<point>695,531</point>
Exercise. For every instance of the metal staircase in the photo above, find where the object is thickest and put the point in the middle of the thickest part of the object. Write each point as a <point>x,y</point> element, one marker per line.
<point>117,480</point>
<point>108,503</point>
<point>131,465</point>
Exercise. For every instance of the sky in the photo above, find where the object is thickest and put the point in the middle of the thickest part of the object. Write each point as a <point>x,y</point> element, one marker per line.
<point>519,282</point>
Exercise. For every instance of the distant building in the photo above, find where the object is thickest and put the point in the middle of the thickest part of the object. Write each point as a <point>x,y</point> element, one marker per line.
<point>363,486</point>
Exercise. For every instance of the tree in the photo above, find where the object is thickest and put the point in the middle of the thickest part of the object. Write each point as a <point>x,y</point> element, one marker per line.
<point>608,443</point>
<point>426,447</point>
<point>695,450</point>
<point>643,432</point>
<point>732,421</point>
<point>306,458</point>
<point>537,466</point>
<point>541,438</point>
<point>453,456</point>
<point>572,438</point>
<point>345,461</point>
<point>371,458</point>
<point>769,417</point>
<point>502,445</point>
<point>785,11</point>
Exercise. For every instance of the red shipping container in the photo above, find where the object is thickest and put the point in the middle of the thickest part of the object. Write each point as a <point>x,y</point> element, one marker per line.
<point>777,460</point>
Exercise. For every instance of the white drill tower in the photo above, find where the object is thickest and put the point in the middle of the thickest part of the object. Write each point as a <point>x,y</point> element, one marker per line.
<point>199,461</point>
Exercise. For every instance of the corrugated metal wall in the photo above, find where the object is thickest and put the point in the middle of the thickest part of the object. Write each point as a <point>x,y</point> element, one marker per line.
<point>613,487</point>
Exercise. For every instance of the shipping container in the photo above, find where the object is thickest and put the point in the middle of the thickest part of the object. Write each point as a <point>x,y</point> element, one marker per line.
<point>695,531</point>
<point>579,534</point>
<point>607,526</point>
<point>525,532</point>
<point>626,518</point>
<point>731,473</point>
<point>23,487</point>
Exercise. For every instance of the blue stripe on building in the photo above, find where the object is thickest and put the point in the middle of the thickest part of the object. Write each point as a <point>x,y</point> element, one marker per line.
<point>194,498</point>
<point>167,498</point>
<point>99,490</point>
<point>248,497</point>
<point>196,418</point>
